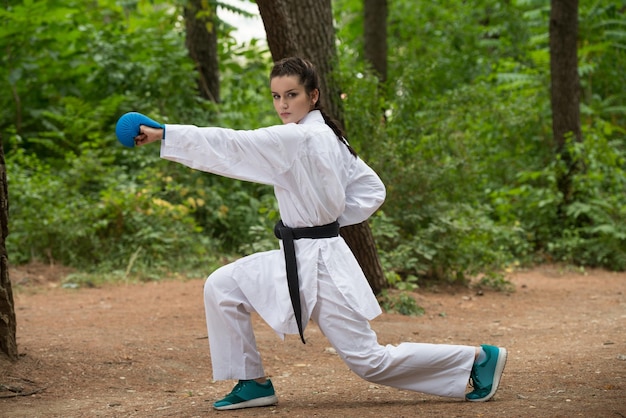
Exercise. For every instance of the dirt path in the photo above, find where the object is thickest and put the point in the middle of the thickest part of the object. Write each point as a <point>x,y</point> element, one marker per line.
<point>141,351</point>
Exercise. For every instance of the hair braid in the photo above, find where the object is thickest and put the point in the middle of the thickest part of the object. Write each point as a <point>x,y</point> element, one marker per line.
<point>336,129</point>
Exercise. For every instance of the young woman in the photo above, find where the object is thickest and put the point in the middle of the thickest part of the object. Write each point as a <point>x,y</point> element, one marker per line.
<point>320,185</point>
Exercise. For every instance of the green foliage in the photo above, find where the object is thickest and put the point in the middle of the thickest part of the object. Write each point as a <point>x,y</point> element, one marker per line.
<point>496,281</point>
<point>407,284</point>
<point>77,196</point>
<point>78,56</point>
<point>460,134</point>
<point>602,56</point>
<point>465,145</point>
<point>399,302</point>
<point>590,230</point>
<point>89,225</point>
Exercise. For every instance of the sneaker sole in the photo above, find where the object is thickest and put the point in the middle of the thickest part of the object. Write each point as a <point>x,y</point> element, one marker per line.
<point>252,403</point>
<point>497,374</point>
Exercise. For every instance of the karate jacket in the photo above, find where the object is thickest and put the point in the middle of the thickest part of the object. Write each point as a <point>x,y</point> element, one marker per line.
<point>316,181</point>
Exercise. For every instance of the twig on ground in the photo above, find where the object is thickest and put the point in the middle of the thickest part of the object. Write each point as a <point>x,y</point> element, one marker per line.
<point>18,391</point>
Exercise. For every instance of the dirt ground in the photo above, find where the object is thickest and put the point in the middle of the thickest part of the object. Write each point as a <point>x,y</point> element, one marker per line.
<point>141,350</point>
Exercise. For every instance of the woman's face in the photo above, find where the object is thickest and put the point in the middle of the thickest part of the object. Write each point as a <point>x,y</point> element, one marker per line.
<point>291,101</point>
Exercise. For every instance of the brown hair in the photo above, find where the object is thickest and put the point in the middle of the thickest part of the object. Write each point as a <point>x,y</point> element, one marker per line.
<point>308,77</point>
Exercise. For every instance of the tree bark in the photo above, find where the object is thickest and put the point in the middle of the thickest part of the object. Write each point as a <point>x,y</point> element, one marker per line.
<point>375,36</point>
<point>201,41</point>
<point>278,27</point>
<point>314,26</point>
<point>305,28</point>
<point>565,84</point>
<point>361,241</point>
<point>565,87</point>
<point>8,342</point>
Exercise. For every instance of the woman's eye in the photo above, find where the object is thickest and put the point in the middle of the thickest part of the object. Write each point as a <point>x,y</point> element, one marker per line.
<point>275,96</point>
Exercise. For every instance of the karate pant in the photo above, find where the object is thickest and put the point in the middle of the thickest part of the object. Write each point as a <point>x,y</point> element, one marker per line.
<point>436,369</point>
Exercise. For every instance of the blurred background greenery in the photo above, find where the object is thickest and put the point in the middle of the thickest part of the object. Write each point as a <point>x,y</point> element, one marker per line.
<point>460,133</point>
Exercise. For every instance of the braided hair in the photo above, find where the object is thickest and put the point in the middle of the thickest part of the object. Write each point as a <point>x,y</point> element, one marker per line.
<point>308,77</point>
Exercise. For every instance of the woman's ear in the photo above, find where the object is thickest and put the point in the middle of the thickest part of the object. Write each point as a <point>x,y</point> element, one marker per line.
<point>315,95</point>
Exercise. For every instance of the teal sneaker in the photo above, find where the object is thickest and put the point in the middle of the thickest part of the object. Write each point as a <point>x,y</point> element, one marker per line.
<point>486,375</point>
<point>248,394</point>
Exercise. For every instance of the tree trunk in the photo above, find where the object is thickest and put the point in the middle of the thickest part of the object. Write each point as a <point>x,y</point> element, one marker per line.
<point>565,87</point>
<point>375,36</point>
<point>278,27</point>
<point>361,241</point>
<point>8,343</point>
<point>305,28</point>
<point>201,41</point>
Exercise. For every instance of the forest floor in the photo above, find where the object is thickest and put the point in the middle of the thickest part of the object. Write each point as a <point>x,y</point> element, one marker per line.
<point>141,350</point>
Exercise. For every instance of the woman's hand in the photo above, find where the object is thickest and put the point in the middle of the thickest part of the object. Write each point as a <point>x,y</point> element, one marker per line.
<point>147,135</point>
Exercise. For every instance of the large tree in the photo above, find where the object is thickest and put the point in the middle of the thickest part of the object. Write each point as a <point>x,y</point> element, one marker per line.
<point>565,86</point>
<point>8,344</point>
<point>305,28</point>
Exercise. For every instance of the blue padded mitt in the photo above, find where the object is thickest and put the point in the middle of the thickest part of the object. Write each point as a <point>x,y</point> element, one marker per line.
<point>127,127</point>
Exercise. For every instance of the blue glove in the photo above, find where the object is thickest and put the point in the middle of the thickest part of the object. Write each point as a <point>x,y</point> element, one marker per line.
<point>127,127</point>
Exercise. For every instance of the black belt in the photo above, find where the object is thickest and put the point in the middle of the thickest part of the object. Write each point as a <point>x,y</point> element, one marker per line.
<point>288,235</point>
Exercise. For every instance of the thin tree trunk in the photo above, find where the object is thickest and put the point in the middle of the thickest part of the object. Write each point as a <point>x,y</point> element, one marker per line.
<point>375,36</point>
<point>8,342</point>
<point>565,88</point>
<point>201,41</point>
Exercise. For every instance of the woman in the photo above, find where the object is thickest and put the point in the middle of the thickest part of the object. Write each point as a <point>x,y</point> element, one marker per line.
<point>320,184</point>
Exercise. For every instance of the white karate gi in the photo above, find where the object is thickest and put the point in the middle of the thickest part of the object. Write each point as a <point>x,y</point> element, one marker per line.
<point>316,181</point>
